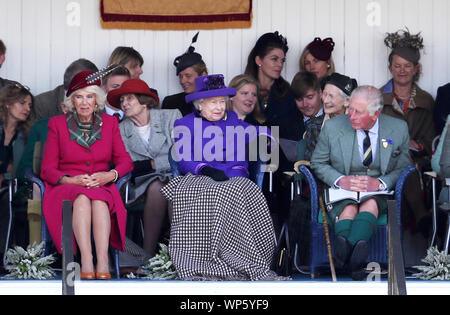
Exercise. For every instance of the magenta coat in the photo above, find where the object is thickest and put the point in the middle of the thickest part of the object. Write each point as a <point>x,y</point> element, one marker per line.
<point>65,157</point>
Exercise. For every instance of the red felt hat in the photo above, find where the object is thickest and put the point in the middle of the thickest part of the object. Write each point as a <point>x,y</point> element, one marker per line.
<point>321,49</point>
<point>81,80</point>
<point>131,86</point>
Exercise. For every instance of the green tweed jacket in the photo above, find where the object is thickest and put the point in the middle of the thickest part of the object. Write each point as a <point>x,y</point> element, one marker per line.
<point>334,155</point>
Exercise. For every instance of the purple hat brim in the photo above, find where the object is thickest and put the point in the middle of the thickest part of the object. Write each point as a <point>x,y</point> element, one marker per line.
<point>210,93</point>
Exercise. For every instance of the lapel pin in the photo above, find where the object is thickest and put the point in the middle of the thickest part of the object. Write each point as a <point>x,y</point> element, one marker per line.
<point>387,142</point>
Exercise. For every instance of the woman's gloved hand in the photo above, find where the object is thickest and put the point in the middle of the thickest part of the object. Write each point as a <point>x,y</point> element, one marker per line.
<point>214,173</point>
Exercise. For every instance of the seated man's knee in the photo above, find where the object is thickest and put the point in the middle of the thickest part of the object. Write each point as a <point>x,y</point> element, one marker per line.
<point>369,206</point>
<point>349,212</point>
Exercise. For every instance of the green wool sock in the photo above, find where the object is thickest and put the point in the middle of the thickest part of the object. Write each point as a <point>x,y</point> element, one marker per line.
<point>343,228</point>
<point>363,227</point>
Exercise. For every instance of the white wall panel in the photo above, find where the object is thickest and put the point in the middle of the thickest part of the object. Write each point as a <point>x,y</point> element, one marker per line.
<point>42,39</point>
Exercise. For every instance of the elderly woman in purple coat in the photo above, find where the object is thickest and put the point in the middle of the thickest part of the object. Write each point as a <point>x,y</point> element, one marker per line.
<point>221,226</point>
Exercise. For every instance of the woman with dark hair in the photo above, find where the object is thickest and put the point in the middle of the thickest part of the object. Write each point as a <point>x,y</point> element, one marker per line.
<point>265,63</point>
<point>147,134</point>
<point>15,107</point>
<point>277,104</point>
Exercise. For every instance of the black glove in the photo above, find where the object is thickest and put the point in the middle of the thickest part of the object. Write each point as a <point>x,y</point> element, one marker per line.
<point>214,173</point>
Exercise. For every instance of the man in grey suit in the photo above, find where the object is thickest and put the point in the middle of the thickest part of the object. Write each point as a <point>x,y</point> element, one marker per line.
<point>362,151</point>
<point>48,104</point>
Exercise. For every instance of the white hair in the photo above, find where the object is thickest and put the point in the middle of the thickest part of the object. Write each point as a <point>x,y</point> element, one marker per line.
<point>197,102</point>
<point>200,100</point>
<point>372,95</point>
<point>100,98</point>
<point>344,96</point>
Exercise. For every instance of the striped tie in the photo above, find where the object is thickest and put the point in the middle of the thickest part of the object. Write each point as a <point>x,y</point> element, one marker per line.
<point>367,158</point>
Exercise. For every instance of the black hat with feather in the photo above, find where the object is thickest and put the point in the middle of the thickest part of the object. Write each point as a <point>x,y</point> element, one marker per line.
<point>189,58</point>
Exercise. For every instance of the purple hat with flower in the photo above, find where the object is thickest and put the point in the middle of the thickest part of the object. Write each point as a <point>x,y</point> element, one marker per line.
<point>210,86</point>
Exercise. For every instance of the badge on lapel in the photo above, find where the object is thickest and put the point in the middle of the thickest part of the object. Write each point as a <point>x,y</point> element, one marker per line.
<point>386,142</point>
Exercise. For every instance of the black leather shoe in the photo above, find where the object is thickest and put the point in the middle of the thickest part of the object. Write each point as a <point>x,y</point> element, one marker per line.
<point>359,275</point>
<point>358,260</point>
<point>342,251</point>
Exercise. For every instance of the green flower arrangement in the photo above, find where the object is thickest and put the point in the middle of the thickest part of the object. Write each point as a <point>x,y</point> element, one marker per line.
<point>29,263</point>
<point>160,267</point>
<point>438,266</point>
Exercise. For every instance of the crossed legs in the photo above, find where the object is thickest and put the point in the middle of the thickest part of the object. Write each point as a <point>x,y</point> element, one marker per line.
<point>93,214</point>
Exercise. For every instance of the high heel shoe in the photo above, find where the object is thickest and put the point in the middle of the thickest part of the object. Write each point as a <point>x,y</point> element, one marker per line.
<point>103,276</point>
<point>87,275</point>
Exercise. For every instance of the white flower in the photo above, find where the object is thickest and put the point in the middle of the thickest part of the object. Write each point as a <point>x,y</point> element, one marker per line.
<point>29,264</point>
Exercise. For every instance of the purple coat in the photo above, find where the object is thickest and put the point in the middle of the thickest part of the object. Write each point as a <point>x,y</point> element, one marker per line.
<point>221,144</point>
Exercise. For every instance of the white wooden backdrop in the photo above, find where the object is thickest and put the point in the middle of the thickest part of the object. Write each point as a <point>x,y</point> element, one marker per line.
<point>44,36</point>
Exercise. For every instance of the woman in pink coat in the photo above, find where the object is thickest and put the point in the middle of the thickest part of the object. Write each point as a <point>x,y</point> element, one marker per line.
<point>76,166</point>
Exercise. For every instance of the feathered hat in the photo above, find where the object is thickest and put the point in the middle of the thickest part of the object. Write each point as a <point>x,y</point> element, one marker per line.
<point>86,78</point>
<point>189,58</point>
<point>405,44</point>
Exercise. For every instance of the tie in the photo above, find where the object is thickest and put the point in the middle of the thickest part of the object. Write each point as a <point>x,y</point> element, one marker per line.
<point>117,115</point>
<point>367,158</point>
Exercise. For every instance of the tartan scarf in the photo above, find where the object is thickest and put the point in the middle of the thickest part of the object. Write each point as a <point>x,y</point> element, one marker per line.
<point>84,133</point>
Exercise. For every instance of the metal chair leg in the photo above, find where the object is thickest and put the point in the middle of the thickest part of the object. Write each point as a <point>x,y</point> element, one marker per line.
<point>292,190</point>
<point>117,263</point>
<point>447,241</point>
<point>434,212</point>
<point>8,234</point>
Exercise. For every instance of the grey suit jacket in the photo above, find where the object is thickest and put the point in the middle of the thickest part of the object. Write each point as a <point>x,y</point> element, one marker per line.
<point>334,152</point>
<point>48,104</point>
<point>161,124</point>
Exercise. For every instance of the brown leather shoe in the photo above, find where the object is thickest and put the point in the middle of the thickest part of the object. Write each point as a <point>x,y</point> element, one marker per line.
<point>103,275</point>
<point>87,275</point>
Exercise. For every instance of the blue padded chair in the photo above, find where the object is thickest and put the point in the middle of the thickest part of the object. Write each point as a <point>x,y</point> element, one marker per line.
<point>45,234</point>
<point>378,243</point>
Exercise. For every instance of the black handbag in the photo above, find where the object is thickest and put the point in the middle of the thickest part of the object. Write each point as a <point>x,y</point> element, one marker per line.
<point>282,259</point>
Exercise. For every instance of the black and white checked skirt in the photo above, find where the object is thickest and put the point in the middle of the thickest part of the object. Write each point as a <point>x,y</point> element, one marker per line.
<point>220,230</point>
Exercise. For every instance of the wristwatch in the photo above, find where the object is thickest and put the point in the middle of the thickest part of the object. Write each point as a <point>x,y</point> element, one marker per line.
<point>381,186</point>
